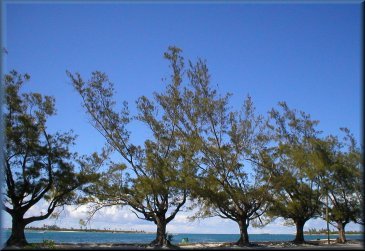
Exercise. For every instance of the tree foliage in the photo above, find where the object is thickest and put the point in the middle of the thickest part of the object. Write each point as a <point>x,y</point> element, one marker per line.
<point>339,164</point>
<point>229,147</point>
<point>37,164</point>
<point>295,184</point>
<point>234,164</point>
<point>153,179</point>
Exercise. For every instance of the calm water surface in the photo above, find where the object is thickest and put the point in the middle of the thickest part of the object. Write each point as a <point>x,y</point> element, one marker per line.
<point>98,237</point>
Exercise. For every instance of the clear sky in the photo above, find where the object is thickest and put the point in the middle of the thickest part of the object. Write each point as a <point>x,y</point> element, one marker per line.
<point>308,55</point>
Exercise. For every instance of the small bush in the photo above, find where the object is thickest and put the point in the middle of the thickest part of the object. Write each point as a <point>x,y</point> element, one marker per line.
<point>49,244</point>
<point>169,237</point>
<point>32,246</point>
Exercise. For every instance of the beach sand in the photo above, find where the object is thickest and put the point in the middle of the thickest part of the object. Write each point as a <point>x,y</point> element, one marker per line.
<point>319,244</point>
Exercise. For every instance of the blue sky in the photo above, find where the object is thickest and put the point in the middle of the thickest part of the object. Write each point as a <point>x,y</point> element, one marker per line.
<point>308,55</point>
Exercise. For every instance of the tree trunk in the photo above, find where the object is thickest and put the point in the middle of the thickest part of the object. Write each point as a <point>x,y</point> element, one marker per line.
<point>17,237</point>
<point>161,238</point>
<point>244,239</point>
<point>299,237</point>
<point>341,232</point>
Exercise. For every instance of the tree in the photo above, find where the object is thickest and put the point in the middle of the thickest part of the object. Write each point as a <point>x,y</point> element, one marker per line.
<point>295,187</point>
<point>154,180</point>
<point>82,223</point>
<point>339,164</point>
<point>229,146</point>
<point>37,164</point>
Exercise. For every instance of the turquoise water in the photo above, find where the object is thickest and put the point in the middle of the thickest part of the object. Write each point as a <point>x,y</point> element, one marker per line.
<point>98,237</point>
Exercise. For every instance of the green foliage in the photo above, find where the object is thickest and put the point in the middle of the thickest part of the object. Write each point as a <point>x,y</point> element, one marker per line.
<point>49,244</point>
<point>229,147</point>
<point>293,176</point>
<point>46,244</point>
<point>234,164</point>
<point>154,178</point>
<point>341,178</point>
<point>324,231</point>
<point>38,165</point>
<point>82,223</point>
<point>32,246</point>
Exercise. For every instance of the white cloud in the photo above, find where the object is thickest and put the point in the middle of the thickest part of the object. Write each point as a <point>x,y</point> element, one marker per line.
<point>38,209</point>
<point>123,218</point>
<point>181,218</point>
<point>76,212</point>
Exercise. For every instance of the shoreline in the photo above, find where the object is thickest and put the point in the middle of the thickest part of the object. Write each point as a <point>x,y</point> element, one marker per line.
<point>144,232</point>
<point>318,244</point>
<point>84,231</point>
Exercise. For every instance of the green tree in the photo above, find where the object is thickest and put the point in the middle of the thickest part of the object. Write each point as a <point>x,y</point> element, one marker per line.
<point>82,223</point>
<point>229,146</point>
<point>37,164</point>
<point>154,180</point>
<point>294,179</point>
<point>339,167</point>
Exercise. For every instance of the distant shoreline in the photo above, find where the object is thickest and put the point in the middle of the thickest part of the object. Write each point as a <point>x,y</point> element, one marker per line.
<point>336,234</point>
<point>144,232</point>
<point>85,230</point>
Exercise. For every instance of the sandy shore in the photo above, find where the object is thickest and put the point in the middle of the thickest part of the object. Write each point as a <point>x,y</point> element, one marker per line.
<point>319,244</point>
<point>280,245</point>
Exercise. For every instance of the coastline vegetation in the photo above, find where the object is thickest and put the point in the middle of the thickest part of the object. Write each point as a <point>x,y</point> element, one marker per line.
<point>57,228</point>
<point>236,164</point>
<point>314,231</point>
<point>310,231</point>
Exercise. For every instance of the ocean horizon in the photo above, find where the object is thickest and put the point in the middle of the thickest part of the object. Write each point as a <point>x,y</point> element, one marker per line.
<point>74,237</point>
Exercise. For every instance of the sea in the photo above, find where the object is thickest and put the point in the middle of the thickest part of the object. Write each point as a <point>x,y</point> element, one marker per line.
<point>109,237</point>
